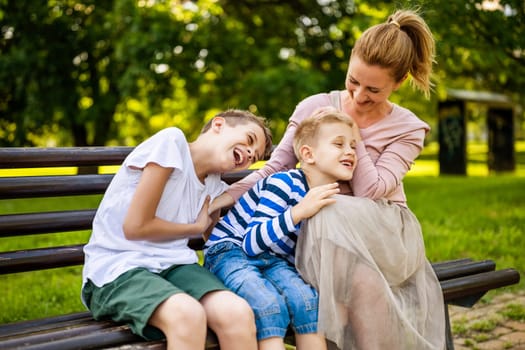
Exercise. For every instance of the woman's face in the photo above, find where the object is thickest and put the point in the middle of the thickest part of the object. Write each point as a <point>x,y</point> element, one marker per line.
<point>368,86</point>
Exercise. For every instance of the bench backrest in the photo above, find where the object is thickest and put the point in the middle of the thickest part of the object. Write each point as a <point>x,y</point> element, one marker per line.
<point>20,224</point>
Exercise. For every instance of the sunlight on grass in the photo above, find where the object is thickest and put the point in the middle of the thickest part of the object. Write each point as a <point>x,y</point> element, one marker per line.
<point>38,171</point>
<point>108,169</point>
<point>428,165</point>
<point>424,168</point>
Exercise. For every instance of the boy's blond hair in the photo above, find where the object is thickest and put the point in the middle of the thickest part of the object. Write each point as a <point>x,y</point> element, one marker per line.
<point>307,131</point>
<point>234,117</point>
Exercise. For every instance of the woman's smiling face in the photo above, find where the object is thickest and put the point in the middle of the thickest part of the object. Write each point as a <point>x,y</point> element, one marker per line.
<point>367,85</point>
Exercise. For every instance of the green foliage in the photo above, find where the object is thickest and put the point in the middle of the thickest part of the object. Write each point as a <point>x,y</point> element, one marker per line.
<point>95,72</point>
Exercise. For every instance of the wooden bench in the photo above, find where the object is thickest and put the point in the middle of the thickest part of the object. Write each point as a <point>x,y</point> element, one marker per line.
<point>463,281</point>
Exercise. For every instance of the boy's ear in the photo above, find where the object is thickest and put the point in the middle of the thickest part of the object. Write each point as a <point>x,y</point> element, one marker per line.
<point>307,155</point>
<point>217,123</point>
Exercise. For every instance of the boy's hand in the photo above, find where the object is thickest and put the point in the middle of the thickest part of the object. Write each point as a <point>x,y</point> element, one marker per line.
<point>316,199</point>
<point>215,216</point>
<point>204,219</point>
<point>222,201</point>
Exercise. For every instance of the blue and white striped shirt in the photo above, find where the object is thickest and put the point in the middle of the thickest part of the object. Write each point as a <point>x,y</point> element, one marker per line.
<point>261,219</point>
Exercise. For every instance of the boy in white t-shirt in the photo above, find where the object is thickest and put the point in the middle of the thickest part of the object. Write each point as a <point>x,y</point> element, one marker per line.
<point>138,267</point>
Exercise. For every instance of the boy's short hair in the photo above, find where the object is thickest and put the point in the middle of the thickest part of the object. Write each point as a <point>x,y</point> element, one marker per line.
<point>234,117</point>
<point>307,130</point>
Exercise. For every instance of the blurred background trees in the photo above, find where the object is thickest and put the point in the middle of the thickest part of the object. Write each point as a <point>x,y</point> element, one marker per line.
<point>112,72</point>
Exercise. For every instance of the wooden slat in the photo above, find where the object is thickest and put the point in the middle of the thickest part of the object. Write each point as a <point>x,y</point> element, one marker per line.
<point>76,331</point>
<point>41,259</point>
<point>466,268</point>
<point>46,222</point>
<point>438,264</point>
<point>68,185</point>
<point>35,157</point>
<point>53,186</point>
<point>66,339</point>
<point>43,324</point>
<point>53,257</point>
<point>478,284</point>
<point>230,178</point>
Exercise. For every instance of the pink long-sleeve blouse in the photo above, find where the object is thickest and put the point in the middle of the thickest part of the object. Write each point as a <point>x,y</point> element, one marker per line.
<point>385,154</point>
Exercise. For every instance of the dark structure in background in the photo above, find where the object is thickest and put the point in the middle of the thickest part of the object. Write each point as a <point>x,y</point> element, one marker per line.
<point>453,131</point>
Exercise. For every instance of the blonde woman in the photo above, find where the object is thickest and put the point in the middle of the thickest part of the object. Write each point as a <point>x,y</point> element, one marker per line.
<point>365,254</point>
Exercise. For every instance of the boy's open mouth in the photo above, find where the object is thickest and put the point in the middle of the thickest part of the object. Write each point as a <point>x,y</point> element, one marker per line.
<point>238,156</point>
<point>347,163</point>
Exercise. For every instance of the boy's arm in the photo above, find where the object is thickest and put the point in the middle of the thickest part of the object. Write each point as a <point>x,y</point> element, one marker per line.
<point>279,211</point>
<point>141,222</point>
<point>223,201</point>
<point>269,230</point>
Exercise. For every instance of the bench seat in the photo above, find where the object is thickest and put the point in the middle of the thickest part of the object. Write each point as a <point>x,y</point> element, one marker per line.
<point>463,281</point>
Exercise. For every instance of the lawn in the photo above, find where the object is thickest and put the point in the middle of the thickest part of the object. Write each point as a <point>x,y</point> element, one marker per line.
<point>481,216</point>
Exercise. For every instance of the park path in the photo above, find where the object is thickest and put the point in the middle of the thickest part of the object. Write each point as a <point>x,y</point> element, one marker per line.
<point>485,327</point>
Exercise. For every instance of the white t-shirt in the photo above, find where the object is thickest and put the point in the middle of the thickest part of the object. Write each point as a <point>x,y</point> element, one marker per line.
<point>108,253</point>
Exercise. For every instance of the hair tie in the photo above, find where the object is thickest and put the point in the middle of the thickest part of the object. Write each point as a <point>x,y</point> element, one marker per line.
<point>396,23</point>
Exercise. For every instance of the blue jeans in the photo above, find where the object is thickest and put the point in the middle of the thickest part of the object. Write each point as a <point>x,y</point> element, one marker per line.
<point>277,294</point>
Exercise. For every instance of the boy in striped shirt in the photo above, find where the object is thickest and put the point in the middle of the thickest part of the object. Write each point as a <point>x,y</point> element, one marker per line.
<point>252,248</point>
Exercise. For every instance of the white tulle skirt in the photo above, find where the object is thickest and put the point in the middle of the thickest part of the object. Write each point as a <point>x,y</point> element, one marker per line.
<point>377,289</point>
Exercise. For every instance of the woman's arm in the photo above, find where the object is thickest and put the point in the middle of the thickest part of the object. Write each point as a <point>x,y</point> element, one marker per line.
<point>378,175</point>
<point>283,158</point>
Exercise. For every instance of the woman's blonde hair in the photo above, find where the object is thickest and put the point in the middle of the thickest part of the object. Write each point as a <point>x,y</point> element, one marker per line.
<point>307,130</point>
<point>403,44</point>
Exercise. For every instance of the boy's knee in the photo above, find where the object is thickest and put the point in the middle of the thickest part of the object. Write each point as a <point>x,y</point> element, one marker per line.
<point>183,313</point>
<point>231,306</point>
<point>304,306</point>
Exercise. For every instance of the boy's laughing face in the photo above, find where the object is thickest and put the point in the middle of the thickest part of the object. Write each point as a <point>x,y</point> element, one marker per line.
<point>334,152</point>
<point>239,146</point>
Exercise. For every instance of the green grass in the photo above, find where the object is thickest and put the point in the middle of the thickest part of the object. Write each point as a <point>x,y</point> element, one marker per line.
<point>44,293</point>
<point>477,216</point>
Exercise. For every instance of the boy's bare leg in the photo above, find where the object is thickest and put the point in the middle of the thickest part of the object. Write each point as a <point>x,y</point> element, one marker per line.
<point>182,319</point>
<point>310,341</point>
<point>274,343</point>
<point>232,320</point>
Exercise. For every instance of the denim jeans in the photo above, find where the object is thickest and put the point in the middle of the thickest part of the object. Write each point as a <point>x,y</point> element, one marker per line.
<point>272,286</point>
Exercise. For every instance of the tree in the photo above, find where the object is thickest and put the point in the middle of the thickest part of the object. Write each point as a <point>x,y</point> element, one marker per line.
<point>77,70</point>
<point>117,70</point>
<point>93,72</point>
<point>481,45</point>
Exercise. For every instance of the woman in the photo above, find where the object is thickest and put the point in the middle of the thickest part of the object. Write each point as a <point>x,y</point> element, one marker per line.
<point>365,254</point>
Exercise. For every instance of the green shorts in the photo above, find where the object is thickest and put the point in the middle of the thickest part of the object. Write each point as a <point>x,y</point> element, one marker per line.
<point>134,296</point>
